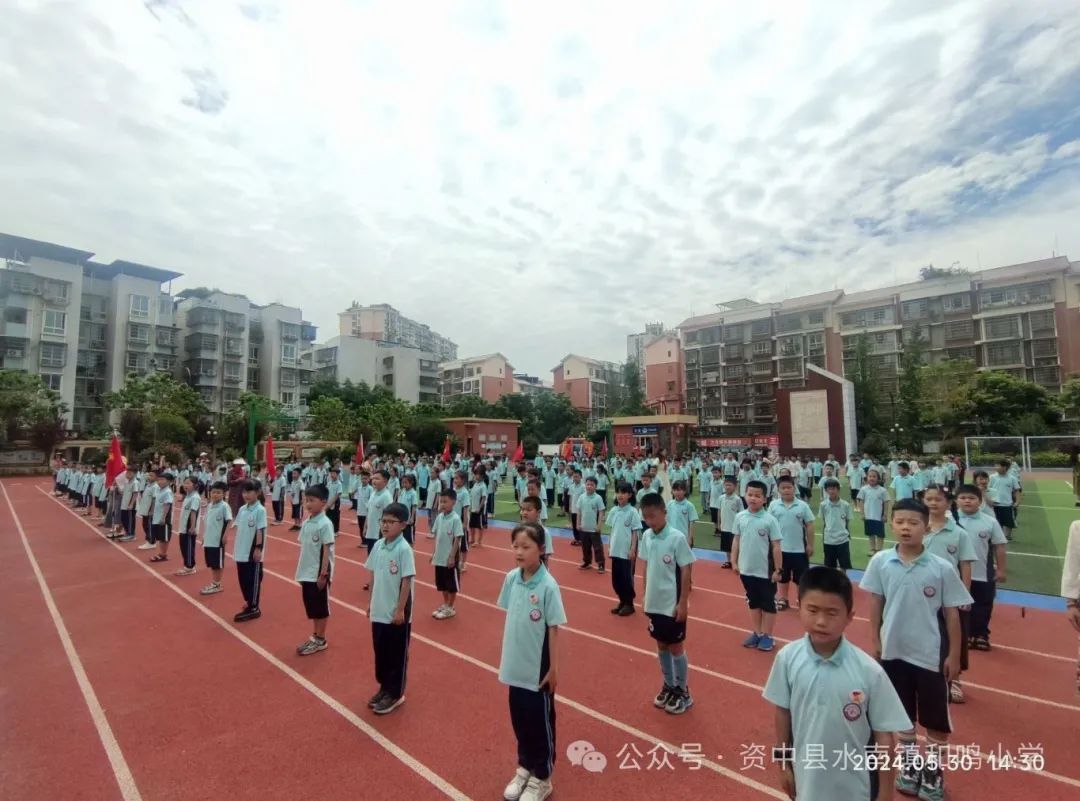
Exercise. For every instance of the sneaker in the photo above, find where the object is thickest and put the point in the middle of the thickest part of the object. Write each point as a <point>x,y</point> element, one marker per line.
<point>678,702</point>
<point>626,611</point>
<point>184,571</point>
<point>438,612</point>
<point>932,787</point>
<point>600,569</point>
<point>536,789</point>
<point>765,643</point>
<point>662,697</point>
<point>616,609</point>
<point>584,566</point>
<point>247,614</point>
<point>752,641</point>
<point>517,784</point>
<point>146,546</point>
<point>126,538</point>
<point>374,700</point>
<point>444,613</point>
<point>725,566</point>
<point>210,588</point>
<point>956,693</point>
<point>312,646</point>
<point>387,704</point>
<point>907,781</point>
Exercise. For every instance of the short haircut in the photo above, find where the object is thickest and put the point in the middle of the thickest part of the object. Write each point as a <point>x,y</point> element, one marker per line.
<point>166,475</point>
<point>969,489</point>
<point>911,505</point>
<point>758,485</point>
<point>533,531</point>
<point>577,472</point>
<point>532,482</point>
<point>829,483</point>
<point>1004,463</point>
<point>398,511</point>
<point>317,491</point>
<point>785,480</point>
<point>716,468</point>
<point>827,580</point>
<point>408,477</point>
<point>729,480</point>
<point>384,473</point>
<point>980,474</point>
<point>591,480</point>
<point>652,501</point>
<point>903,466</point>
<point>532,501</point>
<point>220,485</point>
<point>678,485</point>
<point>250,486</point>
<point>449,493</point>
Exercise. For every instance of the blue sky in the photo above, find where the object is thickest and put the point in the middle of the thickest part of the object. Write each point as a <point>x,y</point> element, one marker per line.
<point>542,178</point>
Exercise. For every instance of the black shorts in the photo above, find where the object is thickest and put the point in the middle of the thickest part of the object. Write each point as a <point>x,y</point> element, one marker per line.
<point>760,593</point>
<point>160,532</point>
<point>838,556</point>
<point>214,556</point>
<point>422,492</point>
<point>924,693</point>
<point>447,579</point>
<point>793,566</point>
<point>806,493</point>
<point>874,528</point>
<point>1006,516</point>
<point>665,629</point>
<point>476,520</point>
<point>727,539</point>
<point>316,601</point>
<point>854,495</point>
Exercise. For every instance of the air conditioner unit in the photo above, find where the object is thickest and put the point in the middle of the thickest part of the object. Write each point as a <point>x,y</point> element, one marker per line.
<point>14,353</point>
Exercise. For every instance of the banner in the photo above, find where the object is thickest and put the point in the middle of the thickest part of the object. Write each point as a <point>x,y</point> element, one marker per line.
<point>767,441</point>
<point>723,442</point>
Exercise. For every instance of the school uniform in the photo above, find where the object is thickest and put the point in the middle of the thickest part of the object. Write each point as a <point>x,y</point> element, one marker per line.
<point>161,521</point>
<point>855,477</point>
<point>757,531</point>
<point>333,503</point>
<point>914,641</point>
<point>363,496</point>
<point>532,607</point>
<point>714,502</point>
<point>1001,490</point>
<point>792,520</point>
<point>985,534</point>
<point>903,487</point>
<point>624,521</point>
<point>836,704</point>
<point>296,495</point>
<point>218,517</point>
<point>574,491</point>
<point>730,506</point>
<point>804,480</point>
<point>954,544</point>
<point>446,528</point>
<point>390,563</point>
<point>681,516</point>
<point>549,475</point>
<point>462,502</point>
<point>665,553</point>
<point>477,504</point>
<point>277,498</point>
<point>410,500</point>
<point>377,503</point>
<point>317,532</point>
<point>127,507</point>
<point>873,498</point>
<point>589,509</point>
<point>836,536</point>
<point>250,520</point>
<point>705,477</point>
<point>189,526</point>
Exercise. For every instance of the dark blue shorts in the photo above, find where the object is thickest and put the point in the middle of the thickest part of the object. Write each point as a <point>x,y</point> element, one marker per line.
<point>874,528</point>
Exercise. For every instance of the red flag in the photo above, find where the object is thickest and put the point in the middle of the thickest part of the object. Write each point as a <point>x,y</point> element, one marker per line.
<point>567,450</point>
<point>519,452</point>
<point>360,450</point>
<point>271,463</point>
<point>115,465</point>
<point>603,449</point>
<point>446,450</point>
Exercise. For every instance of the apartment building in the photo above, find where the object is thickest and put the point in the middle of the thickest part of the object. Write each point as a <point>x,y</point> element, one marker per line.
<point>662,374</point>
<point>82,325</point>
<point>411,374</point>
<point>490,377</point>
<point>635,343</point>
<point>381,321</point>
<point>530,385</point>
<point>593,386</point>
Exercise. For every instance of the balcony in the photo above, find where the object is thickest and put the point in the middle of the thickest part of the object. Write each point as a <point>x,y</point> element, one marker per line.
<point>203,317</point>
<point>1007,297</point>
<point>235,323</point>
<point>307,332</point>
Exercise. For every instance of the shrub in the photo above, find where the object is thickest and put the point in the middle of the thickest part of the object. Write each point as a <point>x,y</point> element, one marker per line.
<point>531,446</point>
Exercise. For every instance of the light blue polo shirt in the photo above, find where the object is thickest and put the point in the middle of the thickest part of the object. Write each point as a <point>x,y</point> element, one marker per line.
<point>589,508</point>
<point>873,499</point>
<point>163,498</point>
<point>903,486</point>
<point>624,520</point>
<point>792,520</point>
<point>835,704</point>
<point>730,506</point>
<point>445,529</point>
<point>390,562</point>
<point>218,515</point>
<point>680,515</point>
<point>756,532</point>
<point>191,506</point>
<point>531,608</point>
<point>914,593</point>
<point>375,506</point>
<point>665,553</point>
<point>985,533</point>
<point>316,532</point>
<point>952,543</point>
<point>837,519</point>
<point>249,519</point>
<point>1001,489</point>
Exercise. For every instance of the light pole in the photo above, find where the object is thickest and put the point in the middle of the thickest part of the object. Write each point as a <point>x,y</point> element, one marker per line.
<point>897,432</point>
<point>211,434</point>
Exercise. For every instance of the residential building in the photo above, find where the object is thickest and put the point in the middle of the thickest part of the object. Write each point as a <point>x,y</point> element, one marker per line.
<point>383,322</point>
<point>530,385</point>
<point>490,377</point>
<point>412,374</point>
<point>593,386</point>
<point>663,374</point>
<point>635,343</point>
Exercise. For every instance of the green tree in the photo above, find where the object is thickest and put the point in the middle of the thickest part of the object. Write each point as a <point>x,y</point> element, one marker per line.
<point>469,406</point>
<point>909,415</point>
<point>156,393</point>
<point>556,419</point>
<point>946,386</point>
<point>930,272</point>
<point>1069,400</point>
<point>864,376</point>
<point>517,407</point>
<point>387,419</point>
<point>633,394</point>
<point>233,431</point>
<point>25,401</point>
<point>166,428</point>
<point>427,434</point>
<point>997,401</point>
<point>331,419</point>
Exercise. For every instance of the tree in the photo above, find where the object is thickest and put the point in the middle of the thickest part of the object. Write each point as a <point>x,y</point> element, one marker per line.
<point>469,406</point>
<point>997,401</point>
<point>387,419</point>
<point>331,419</point>
<point>633,395</point>
<point>864,376</point>
<point>556,419</point>
<point>156,393</point>
<point>909,416</point>
<point>233,435</point>
<point>930,272</point>
<point>25,401</point>
<point>517,407</point>
<point>1069,400</point>
<point>946,386</point>
<point>427,434</point>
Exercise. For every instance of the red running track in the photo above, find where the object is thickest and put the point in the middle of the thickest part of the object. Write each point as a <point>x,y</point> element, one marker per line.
<point>199,705</point>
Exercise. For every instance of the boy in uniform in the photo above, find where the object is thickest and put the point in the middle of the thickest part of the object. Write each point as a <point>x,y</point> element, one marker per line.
<point>144,508</point>
<point>1005,496</point>
<point>623,543</point>
<point>161,517</point>
<point>989,566</point>
<point>730,505</point>
<point>332,503</point>
<point>449,534</point>
<point>218,517</point>
<point>189,526</point>
<point>315,565</point>
<point>681,512</point>
<point>128,499</point>
<point>872,503</point>
<point>912,592</point>
<point>248,548</point>
<point>835,514</point>
<point>796,521</point>
<point>589,513</point>
<point>757,557</point>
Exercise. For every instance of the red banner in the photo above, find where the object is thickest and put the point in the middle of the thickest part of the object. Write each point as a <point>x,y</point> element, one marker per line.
<point>767,440</point>
<point>723,442</point>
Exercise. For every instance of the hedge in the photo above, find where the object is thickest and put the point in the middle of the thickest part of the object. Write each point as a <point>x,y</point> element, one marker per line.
<point>1038,458</point>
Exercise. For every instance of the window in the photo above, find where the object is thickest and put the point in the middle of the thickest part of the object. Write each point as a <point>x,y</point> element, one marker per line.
<point>999,355</point>
<point>165,364</point>
<point>136,361</point>
<point>1042,321</point>
<point>960,329</point>
<point>15,314</point>
<point>815,317</point>
<point>761,348</point>
<point>139,334</point>
<point>915,309</point>
<point>56,289</point>
<point>735,371</point>
<point>670,386</point>
<point>52,355</point>
<point>1002,327</point>
<point>164,305</point>
<point>52,380</point>
<point>54,323</point>
<point>954,303</point>
<point>288,398</point>
<point>1043,375</point>
<point>140,307</point>
<point>165,338</point>
<point>232,371</point>
<point>288,353</point>
<point>761,327</point>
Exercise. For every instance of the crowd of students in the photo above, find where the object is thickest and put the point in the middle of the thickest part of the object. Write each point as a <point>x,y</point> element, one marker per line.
<point>931,593</point>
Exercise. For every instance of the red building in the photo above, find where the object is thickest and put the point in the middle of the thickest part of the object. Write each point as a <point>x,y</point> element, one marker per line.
<point>651,434</point>
<point>480,435</point>
<point>663,372</point>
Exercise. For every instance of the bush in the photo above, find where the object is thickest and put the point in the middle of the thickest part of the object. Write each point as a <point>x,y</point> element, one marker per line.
<point>1049,459</point>
<point>429,434</point>
<point>94,456</point>
<point>331,455</point>
<point>531,446</point>
<point>875,444</point>
<point>953,445</point>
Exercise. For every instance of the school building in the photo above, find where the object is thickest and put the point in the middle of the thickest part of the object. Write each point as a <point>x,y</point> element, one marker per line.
<point>588,383</point>
<point>478,435</point>
<point>489,377</point>
<point>651,434</point>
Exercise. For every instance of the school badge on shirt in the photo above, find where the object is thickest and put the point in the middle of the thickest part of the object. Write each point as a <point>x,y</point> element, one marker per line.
<point>764,532</point>
<point>667,559</point>
<point>929,591</point>
<point>535,615</point>
<point>951,548</point>
<point>393,568</point>
<point>853,710</point>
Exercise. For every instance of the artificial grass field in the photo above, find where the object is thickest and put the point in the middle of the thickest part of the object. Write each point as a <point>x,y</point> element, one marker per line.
<point>1035,553</point>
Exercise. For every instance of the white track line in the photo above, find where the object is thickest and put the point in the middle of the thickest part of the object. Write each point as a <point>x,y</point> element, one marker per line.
<point>126,782</point>
<point>401,754</point>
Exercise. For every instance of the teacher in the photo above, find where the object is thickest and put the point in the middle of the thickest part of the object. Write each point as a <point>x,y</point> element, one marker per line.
<point>1070,583</point>
<point>236,479</point>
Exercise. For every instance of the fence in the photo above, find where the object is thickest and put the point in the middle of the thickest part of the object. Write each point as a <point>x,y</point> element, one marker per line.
<point>985,452</point>
<point>1051,452</point>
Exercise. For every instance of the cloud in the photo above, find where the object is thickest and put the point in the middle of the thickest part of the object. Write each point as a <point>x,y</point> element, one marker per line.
<point>539,182</point>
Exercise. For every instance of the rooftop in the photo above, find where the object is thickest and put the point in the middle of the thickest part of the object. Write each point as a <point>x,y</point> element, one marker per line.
<point>120,267</point>
<point>20,249</point>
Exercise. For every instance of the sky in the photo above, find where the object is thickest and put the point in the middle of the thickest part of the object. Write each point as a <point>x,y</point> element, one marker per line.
<point>542,178</point>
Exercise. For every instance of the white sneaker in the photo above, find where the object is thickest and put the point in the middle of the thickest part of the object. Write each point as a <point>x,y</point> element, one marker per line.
<point>437,614</point>
<point>516,786</point>
<point>536,790</point>
<point>444,613</point>
<point>147,546</point>
<point>210,589</point>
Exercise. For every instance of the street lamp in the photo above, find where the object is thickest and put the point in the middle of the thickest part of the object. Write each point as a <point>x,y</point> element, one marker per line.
<point>211,434</point>
<point>897,432</point>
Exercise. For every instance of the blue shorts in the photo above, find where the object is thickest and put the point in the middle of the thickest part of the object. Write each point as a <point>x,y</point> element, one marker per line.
<point>874,528</point>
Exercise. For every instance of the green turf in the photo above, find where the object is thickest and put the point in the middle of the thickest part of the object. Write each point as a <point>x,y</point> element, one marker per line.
<point>1034,554</point>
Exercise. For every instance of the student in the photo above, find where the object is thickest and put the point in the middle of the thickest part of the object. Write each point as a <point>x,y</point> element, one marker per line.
<point>449,535</point>
<point>574,491</point>
<point>988,569</point>
<point>333,500</point>
<point>911,591</point>
<point>835,515</point>
<point>1005,494</point>
<point>277,496</point>
<point>435,491</point>
<point>378,500</point>
<point>161,517</point>
<point>296,494</point>
<point>249,545</point>
<point>529,664</point>
<point>730,506</point>
<point>189,526</point>
<point>218,517</point>
<point>530,509</point>
<point>363,496</point>
<point>477,505</point>
<point>623,543</point>
<point>904,485</point>
<point>463,509</point>
<point>647,487</point>
<point>410,500</point>
<point>128,499</point>
<point>589,512</point>
<point>681,512</point>
<point>393,569</point>
<point>144,508</point>
<point>952,543</point>
<point>832,696</point>
<point>757,557</point>
<point>872,502</point>
<point>713,502</point>
<point>533,491</point>
<point>804,478</point>
<point>796,521</point>
<point>315,565</point>
<point>707,478</point>
<point>666,587</point>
